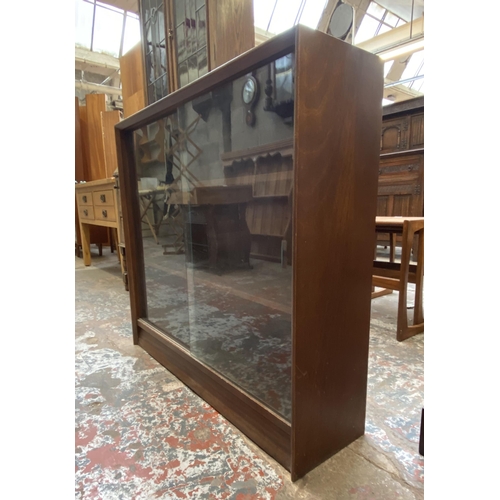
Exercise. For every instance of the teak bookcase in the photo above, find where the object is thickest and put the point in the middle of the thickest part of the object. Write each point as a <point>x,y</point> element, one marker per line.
<point>334,129</point>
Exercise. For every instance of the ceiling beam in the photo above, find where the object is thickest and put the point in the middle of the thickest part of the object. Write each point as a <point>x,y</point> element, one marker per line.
<point>95,59</point>
<point>394,37</point>
<point>94,87</point>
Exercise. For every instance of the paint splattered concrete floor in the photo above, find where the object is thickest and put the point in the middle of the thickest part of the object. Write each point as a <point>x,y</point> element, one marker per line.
<point>141,434</point>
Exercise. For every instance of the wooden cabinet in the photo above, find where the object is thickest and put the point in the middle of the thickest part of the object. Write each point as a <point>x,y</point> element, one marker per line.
<point>184,40</point>
<point>401,168</point>
<point>280,350</point>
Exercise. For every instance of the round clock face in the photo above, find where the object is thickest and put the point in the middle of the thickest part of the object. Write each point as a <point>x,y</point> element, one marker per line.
<point>249,89</point>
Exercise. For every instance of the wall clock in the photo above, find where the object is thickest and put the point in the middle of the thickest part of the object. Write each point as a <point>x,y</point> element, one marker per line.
<point>250,95</point>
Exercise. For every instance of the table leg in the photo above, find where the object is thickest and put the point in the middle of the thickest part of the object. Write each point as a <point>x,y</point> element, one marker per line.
<point>392,247</point>
<point>418,315</point>
<point>85,234</point>
<point>402,323</point>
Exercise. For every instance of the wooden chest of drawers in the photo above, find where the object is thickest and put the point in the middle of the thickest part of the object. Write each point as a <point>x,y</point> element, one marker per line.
<point>98,204</point>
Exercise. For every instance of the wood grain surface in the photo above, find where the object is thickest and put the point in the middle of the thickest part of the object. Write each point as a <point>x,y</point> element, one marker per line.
<point>108,120</point>
<point>132,76</point>
<point>338,116</point>
<point>231,29</point>
<point>96,103</point>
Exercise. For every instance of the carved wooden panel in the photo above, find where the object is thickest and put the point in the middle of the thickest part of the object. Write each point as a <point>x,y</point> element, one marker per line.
<point>400,187</point>
<point>417,131</point>
<point>394,135</point>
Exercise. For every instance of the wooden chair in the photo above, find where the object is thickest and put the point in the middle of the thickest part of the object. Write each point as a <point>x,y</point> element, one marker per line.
<point>397,275</point>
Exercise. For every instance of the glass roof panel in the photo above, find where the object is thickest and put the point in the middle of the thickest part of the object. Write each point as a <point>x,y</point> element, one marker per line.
<point>367,29</point>
<point>262,11</point>
<point>107,31</point>
<point>284,16</point>
<point>84,12</point>
<point>375,10</point>
<point>414,66</point>
<point>312,13</point>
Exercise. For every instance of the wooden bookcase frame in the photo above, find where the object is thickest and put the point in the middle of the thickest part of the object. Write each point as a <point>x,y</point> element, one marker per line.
<point>337,119</point>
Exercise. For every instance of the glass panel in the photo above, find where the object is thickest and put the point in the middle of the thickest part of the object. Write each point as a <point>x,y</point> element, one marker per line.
<point>149,67</point>
<point>158,89</point>
<point>285,14</point>
<point>193,68</point>
<point>163,57</point>
<point>161,23</point>
<point>190,29</point>
<point>367,29</point>
<point>181,44</point>
<point>262,11</point>
<point>151,93</point>
<point>107,31</point>
<point>391,19</point>
<point>375,10</point>
<point>387,67</point>
<point>201,28</point>
<point>312,13</point>
<point>383,29</point>
<point>215,200</point>
<point>202,62</point>
<point>414,65</point>
<point>145,9</point>
<point>157,61</point>
<point>183,74</point>
<point>200,4</point>
<point>84,13</point>
<point>149,37</point>
<point>180,14</point>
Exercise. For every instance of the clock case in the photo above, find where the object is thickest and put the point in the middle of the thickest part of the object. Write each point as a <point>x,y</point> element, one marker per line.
<point>337,116</point>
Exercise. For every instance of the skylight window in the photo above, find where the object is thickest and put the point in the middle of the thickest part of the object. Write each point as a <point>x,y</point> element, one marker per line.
<point>376,21</point>
<point>103,28</point>
<point>279,15</point>
<point>414,69</point>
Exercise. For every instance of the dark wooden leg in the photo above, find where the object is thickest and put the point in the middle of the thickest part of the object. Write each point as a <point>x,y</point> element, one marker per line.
<point>100,249</point>
<point>392,247</point>
<point>421,440</point>
<point>402,323</point>
<point>418,315</point>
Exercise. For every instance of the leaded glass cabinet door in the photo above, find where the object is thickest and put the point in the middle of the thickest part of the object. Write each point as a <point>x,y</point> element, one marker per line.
<point>191,47</point>
<point>155,49</point>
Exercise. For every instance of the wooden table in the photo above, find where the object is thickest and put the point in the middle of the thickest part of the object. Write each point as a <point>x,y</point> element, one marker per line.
<point>394,275</point>
<point>98,204</point>
<point>215,225</point>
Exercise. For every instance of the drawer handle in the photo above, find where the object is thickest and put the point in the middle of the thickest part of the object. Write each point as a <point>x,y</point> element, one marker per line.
<point>103,198</point>
<point>84,198</point>
<point>85,212</point>
<point>104,213</point>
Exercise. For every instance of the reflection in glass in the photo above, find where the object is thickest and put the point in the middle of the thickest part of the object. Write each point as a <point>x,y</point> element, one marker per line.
<point>216,213</point>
